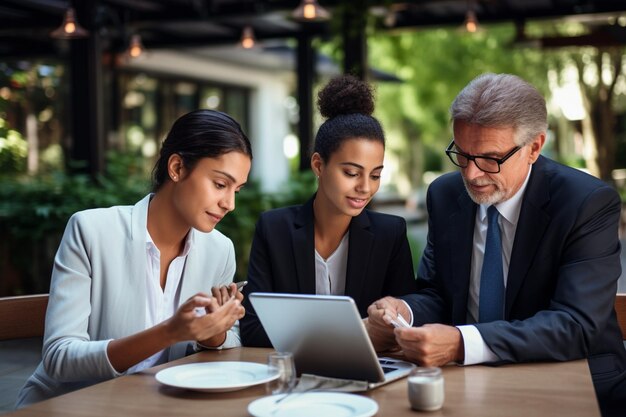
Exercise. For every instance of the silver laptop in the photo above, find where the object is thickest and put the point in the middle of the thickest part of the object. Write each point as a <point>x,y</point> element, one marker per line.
<point>326,335</point>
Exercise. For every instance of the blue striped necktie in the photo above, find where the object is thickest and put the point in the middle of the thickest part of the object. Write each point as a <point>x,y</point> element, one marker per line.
<point>491,298</point>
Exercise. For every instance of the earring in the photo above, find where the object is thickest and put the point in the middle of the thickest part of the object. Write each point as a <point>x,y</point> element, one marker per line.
<point>175,177</point>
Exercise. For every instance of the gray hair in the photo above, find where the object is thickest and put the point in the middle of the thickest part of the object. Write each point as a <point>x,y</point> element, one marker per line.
<point>502,100</point>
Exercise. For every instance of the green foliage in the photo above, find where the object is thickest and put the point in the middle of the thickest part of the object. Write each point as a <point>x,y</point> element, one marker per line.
<point>34,207</point>
<point>432,158</point>
<point>416,250</point>
<point>33,83</point>
<point>13,151</point>
<point>575,161</point>
<point>35,210</point>
<point>297,190</point>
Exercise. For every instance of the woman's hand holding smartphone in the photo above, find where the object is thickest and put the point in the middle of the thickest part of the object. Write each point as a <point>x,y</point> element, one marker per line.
<point>227,292</point>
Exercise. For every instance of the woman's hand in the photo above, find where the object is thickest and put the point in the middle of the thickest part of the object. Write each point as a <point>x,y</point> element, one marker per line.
<point>226,292</point>
<point>199,318</point>
<point>210,328</point>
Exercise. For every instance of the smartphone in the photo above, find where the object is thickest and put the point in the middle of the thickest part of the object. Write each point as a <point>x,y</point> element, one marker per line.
<point>240,285</point>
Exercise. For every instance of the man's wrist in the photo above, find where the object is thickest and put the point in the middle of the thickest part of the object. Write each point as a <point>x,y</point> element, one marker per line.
<point>460,349</point>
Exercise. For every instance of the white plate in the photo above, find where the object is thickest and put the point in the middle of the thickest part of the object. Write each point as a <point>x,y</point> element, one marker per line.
<point>216,376</point>
<point>314,404</point>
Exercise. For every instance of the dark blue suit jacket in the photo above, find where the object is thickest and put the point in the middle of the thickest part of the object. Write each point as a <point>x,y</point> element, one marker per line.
<point>562,278</point>
<point>282,259</point>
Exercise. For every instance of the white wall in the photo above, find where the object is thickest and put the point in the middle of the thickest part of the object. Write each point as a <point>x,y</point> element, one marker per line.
<point>268,116</point>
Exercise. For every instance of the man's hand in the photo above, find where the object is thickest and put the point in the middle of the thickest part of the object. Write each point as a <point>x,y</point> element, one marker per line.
<point>378,323</point>
<point>431,344</point>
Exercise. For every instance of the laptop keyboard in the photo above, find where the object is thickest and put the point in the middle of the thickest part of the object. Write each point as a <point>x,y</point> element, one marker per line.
<point>387,369</point>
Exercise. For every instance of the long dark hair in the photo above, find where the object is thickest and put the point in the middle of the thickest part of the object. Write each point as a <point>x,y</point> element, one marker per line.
<point>196,135</point>
<point>348,104</point>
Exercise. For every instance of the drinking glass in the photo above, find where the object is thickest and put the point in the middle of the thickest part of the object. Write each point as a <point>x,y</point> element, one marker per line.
<point>426,389</point>
<point>283,364</point>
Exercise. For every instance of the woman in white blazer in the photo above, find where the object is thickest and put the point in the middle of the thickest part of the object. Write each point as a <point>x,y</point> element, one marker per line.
<point>132,286</point>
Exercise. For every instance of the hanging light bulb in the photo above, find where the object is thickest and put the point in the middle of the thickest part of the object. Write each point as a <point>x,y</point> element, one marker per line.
<point>70,28</point>
<point>135,47</point>
<point>309,10</point>
<point>247,38</point>
<point>471,23</point>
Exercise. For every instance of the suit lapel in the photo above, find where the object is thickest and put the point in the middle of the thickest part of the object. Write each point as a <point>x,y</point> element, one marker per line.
<point>187,287</point>
<point>461,240</point>
<point>359,256</point>
<point>532,223</point>
<point>303,244</point>
<point>192,270</point>
<point>136,317</point>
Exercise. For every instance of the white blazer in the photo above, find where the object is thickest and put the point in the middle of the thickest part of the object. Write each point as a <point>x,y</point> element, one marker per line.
<point>98,293</point>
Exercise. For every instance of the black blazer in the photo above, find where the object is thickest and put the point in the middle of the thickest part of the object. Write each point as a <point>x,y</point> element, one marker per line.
<point>563,272</point>
<point>282,259</point>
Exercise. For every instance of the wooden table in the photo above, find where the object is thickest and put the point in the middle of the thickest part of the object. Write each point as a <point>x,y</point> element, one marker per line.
<point>548,389</point>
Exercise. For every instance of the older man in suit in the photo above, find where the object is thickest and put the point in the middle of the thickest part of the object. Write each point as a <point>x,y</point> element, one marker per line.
<point>522,258</point>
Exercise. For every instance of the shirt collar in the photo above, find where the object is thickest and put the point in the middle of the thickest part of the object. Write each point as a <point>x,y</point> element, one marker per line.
<point>510,208</point>
<point>189,241</point>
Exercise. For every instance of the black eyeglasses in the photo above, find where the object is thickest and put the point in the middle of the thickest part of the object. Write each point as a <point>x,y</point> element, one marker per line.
<point>484,163</point>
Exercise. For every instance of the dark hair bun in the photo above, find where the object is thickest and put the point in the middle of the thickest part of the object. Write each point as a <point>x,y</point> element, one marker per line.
<point>345,94</point>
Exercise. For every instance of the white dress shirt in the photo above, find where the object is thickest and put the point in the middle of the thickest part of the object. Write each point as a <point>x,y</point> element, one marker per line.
<point>330,273</point>
<point>476,350</point>
<point>161,303</point>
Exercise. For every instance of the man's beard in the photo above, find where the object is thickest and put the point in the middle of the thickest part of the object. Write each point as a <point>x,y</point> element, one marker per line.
<point>487,199</point>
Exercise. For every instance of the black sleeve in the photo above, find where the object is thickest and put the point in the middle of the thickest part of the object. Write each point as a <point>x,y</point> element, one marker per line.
<point>259,280</point>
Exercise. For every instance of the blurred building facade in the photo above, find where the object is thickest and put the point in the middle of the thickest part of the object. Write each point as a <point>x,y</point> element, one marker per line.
<point>160,87</point>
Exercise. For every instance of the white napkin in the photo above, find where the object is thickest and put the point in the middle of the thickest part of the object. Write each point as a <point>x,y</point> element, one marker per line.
<point>310,382</point>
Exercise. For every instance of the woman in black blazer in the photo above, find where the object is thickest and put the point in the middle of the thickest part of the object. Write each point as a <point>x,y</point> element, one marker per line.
<point>332,244</point>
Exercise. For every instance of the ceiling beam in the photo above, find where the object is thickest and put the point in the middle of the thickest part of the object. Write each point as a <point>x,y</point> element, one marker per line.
<point>602,37</point>
<point>496,12</point>
<point>35,17</point>
<point>155,40</point>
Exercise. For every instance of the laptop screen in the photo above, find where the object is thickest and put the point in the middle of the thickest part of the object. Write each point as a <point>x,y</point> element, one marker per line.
<point>325,334</point>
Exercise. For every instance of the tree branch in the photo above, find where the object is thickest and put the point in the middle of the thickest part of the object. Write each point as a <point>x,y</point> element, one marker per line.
<point>616,58</point>
<point>585,90</point>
